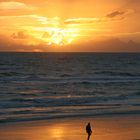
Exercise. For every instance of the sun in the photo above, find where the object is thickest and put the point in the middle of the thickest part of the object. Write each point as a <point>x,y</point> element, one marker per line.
<point>61,36</point>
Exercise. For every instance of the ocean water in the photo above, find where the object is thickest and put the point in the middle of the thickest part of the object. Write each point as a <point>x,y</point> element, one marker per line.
<point>36,86</point>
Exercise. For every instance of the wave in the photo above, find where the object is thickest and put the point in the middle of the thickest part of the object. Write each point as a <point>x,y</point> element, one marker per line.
<point>76,80</point>
<point>63,100</point>
<point>9,74</point>
<point>30,116</point>
<point>42,86</point>
<point>115,73</point>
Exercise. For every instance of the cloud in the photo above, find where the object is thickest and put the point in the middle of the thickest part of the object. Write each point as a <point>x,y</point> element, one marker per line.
<point>14,6</point>
<point>115,14</point>
<point>9,44</point>
<point>112,16</point>
<point>118,13</point>
<point>91,20</point>
<point>28,20</point>
<point>107,45</point>
<point>19,35</point>
<point>81,20</point>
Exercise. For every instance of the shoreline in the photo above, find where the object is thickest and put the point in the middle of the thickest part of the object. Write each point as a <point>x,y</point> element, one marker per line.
<point>45,119</point>
<point>124,127</point>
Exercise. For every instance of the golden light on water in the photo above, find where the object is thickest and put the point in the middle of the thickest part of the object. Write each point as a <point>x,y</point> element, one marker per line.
<point>57,132</point>
<point>124,128</point>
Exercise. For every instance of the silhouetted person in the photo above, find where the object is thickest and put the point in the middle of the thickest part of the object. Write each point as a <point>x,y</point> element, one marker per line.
<point>88,130</point>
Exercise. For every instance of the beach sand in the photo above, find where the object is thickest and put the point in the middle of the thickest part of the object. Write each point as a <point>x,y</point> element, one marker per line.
<point>104,128</point>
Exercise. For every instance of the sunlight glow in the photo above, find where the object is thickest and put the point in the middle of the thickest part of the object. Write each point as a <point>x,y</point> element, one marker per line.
<point>60,37</point>
<point>69,25</point>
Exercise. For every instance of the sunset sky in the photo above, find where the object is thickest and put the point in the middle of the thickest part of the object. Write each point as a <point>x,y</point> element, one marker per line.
<point>70,25</point>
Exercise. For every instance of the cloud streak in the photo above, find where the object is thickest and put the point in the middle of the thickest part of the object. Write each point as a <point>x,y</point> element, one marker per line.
<point>91,20</point>
<point>115,14</point>
<point>118,13</point>
<point>112,16</point>
<point>14,6</point>
<point>81,20</point>
<point>19,35</point>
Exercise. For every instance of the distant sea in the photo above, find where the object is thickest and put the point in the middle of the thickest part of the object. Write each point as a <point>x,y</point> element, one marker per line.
<point>37,86</point>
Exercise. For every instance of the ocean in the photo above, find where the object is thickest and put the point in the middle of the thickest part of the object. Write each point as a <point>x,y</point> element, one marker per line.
<point>39,86</point>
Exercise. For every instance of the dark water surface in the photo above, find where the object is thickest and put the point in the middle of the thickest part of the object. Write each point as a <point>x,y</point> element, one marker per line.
<point>37,86</point>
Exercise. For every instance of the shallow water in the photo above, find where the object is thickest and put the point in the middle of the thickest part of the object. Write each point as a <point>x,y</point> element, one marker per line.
<point>36,86</point>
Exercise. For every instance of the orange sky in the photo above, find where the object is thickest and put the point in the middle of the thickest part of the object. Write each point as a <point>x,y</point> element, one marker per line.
<point>70,25</point>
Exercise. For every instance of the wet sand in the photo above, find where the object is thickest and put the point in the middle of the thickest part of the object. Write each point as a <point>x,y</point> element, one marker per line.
<point>104,128</point>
